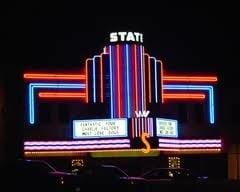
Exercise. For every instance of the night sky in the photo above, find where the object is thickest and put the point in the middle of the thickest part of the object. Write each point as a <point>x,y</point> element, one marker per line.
<point>197,38</point>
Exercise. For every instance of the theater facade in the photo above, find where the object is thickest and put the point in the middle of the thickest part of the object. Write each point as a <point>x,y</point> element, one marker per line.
<point>121,103</point>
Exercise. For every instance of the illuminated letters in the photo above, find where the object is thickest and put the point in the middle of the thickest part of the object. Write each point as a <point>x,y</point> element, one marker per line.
<point>130,37</point>
<point>144,140</point>
<point>139,36</point>
<point>113,37</point>
<point>122,35</point>
<point>126,36</point>
<point>142,113</point>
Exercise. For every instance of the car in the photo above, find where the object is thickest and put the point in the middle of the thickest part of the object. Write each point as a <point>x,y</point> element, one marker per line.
<point>166,175</point>
<point>38,175</point>
<point>110,178</point>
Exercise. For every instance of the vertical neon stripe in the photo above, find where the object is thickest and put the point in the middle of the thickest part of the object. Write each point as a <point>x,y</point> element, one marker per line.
<point>115,93</point>
<point>86,72</point>
<point>145,125</point>
<point>136,127</point>
<point>132,127</point>
<point>211,105</point>
<point>162,81</point>
<point>111,81</point>
<point>148,125</point>
<point>139,127</point>
<point>142,75</point>
<point>124,86</point>
<point>124,78</point>
<point>101,76</point>
<point>118,84</point>
<point>142,125</point>
<point>149,79</point>
<point>128,90</point>
<point>121,82</point>
<point>156,83</point>
<point>133,81</point>
<point>144,80</point>
<point>151,127</point>
<point>94,79</point>
<point>104,50</point>
<point>31,104</point>
<point>136,75</point>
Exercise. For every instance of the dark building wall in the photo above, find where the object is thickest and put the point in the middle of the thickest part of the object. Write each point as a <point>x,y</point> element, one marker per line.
<point>14,113</point>
<point>2,122</point>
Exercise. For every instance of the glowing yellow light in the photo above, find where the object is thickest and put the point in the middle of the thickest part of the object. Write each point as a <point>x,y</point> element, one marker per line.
<point>144,140</point>
<point>84,153</point>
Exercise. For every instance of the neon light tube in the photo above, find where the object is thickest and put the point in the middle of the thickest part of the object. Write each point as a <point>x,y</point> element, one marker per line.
<point>118,84</point>
<point>74,153</point>
<point>136,127</point>
<point>121,150</point>
<point>161,66</point>
<point>94,79</point>
<point>33,86</point>
<point>111,80</point>
<point>86,72</point>
<point>179,78</point>
<point>144,80</point>
<point>149,78</point>
<point>188,145</point>
<point>47,143</point>
<point>139,126</point>
<point>197,87</point>
<point>142,77</point>
<point>101,76</point>
<point>178,141</point>
<point>183,96</point>
<point>155,78</point>
<point>136,80</point>
<point>52,76</point>
<point>128,89</point>
<point>99,146</point>
<point>203,150</point>
<point>61,95</point>
<point>156,87</point>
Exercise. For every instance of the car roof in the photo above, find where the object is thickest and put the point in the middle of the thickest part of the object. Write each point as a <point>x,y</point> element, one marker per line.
<point>112,166</point>
<point>25,161</point>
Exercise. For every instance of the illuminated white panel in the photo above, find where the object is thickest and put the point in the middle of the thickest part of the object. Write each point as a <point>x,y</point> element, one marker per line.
<point>126,37</point>
<point>99,128</point>
<point>166,127</point>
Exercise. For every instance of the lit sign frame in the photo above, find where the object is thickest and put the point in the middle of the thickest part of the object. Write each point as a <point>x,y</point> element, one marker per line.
<point>127,79</point>
<point>121,120</point>
<point>167,135</point>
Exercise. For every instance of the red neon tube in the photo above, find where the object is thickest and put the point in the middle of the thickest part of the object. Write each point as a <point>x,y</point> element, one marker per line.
<point>61,95</point>
<point>184,96</point>
<point>49,76</point>
<point>189,78</point>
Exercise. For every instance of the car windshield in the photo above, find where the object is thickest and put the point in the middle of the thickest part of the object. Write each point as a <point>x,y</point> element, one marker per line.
<point>40,166</point>
<point>115,171</point>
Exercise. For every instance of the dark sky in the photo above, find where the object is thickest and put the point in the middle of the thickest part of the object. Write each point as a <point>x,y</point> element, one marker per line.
<point>188,38</point>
